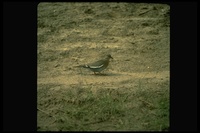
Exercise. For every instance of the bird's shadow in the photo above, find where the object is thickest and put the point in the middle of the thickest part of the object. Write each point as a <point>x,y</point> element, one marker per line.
<point>106,74</point>
<point>99,74</point>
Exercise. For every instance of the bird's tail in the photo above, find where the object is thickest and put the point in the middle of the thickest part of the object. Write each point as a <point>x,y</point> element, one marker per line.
<point>84,66</point>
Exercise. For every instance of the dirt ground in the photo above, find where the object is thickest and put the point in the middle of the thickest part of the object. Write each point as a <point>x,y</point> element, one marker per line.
<point>137,35</point>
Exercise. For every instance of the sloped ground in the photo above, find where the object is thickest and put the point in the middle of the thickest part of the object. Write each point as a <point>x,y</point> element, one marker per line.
<point>133,93</point>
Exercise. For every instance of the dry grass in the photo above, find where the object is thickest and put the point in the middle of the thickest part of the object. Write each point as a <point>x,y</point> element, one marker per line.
<point>81,109</point>
<point>133,95</point>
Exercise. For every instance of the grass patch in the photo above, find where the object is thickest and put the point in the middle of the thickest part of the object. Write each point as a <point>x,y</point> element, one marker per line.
<point>109,109</point>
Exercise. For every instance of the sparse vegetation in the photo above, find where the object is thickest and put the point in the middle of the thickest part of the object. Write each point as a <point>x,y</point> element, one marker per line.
<point>134,93</point>
<point>80,109</point>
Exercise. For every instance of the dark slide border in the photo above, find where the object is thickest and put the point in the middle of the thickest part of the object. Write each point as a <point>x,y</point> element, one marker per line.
<point>20,66</point>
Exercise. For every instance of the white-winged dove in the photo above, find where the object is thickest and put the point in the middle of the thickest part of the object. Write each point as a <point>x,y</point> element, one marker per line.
<point>99,65</point>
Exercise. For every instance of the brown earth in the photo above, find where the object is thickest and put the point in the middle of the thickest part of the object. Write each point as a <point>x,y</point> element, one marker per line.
<point>137,36</point>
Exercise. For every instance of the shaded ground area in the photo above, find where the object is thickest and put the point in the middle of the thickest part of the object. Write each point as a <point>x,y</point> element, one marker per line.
<point>133,93</point>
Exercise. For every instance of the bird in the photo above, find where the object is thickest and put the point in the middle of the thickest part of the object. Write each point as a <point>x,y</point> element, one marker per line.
<point>99,65</point>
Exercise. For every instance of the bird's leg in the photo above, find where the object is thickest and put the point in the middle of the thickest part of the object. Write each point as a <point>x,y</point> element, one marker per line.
<point>102,73</point>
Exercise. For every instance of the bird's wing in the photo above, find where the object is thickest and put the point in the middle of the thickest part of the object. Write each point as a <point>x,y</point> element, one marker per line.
<point>97,64</point>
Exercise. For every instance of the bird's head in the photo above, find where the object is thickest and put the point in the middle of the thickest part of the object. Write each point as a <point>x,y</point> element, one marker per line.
<point>109,56</point>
